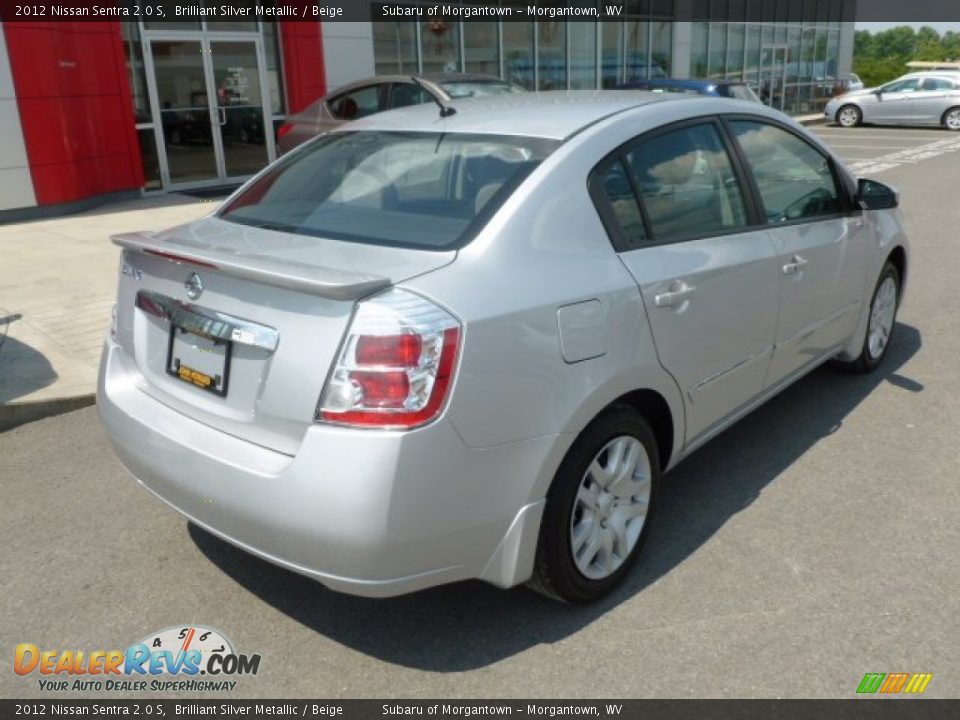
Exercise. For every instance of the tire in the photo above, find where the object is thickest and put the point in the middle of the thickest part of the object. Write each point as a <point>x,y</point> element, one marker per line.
<point>612,524</point>
<point>951,119</point>
<point>849,116</point>
<point>872,353</point>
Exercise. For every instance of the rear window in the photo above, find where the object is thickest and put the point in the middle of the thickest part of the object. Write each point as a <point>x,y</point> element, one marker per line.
<point>476,88</point>
<point>430,191</point>
<point>741,92</point>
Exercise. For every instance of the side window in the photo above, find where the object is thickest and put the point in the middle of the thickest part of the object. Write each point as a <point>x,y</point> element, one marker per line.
<point>938,84</point>
<point>618,191</point>
<point>903,86</point>
<point>795,180</point>
<point>357,104</point>
<point>687,184</point>
<point>405,94</point>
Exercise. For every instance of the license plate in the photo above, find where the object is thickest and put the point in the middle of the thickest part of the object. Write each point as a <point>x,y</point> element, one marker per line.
<point>199,360</point>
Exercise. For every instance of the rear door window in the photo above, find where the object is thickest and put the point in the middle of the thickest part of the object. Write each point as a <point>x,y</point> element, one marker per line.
<point>406,94</point>
<point>687,184</point>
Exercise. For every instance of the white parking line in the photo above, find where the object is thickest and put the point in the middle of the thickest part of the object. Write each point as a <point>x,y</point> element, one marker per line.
<point>869,147</point>
<point>908,156</point>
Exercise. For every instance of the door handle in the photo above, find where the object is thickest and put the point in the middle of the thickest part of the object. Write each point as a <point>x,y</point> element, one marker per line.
<point>679,293</point>
<point>221,115</point>
<point>795,265</point>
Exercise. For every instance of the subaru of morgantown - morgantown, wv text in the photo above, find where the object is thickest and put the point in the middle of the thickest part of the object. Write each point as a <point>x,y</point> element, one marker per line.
<point>466,342</point>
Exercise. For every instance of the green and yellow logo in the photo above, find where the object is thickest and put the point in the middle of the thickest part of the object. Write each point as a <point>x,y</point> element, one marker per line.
<point>892,683</point>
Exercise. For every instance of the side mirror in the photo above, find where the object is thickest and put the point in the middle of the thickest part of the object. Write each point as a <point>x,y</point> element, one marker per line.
<point>874,195</point>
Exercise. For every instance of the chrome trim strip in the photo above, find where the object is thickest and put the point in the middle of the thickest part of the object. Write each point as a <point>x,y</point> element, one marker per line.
<point>211,323</point>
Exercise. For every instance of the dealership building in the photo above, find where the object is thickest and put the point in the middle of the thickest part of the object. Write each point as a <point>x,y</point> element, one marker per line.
<point>93,110</point>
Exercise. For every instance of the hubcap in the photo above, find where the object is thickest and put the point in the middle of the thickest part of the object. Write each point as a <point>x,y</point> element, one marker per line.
<point>882,315</point>
<point>953,120</point>
<point>848,117</point>
<point>610,508</point>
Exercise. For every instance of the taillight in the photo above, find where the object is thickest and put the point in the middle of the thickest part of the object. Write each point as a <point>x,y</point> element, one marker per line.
<point>284,129</point>
<point>396,366</point>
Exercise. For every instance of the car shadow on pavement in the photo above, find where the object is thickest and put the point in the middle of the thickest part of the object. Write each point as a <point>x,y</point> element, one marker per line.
<point>470,625</point>
<point>23,370</point>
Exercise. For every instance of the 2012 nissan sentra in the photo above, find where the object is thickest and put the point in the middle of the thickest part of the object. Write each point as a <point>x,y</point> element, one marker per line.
<point>459,343</point>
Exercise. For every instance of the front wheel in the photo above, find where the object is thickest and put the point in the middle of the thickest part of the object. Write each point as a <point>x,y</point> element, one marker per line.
<point>598,509</point>
<point>883,316</point>
<point>849,116</point>
<point>951,119</point>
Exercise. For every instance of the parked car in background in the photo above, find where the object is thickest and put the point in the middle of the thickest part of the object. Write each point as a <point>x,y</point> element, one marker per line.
<point>385,92</point>
<point>427,348</point>
<point>717,88</point>
<point>854,83</point>
<point>923,98</point>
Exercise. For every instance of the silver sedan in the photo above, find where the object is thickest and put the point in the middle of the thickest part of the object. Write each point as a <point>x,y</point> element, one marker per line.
<point>442,346</point>
<point>930,98</point>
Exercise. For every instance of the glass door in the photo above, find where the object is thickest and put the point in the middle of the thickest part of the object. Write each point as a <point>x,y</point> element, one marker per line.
<point>209,106</point>
<point>773,76</point>
<point>239,106</point>
<point>183,103</point>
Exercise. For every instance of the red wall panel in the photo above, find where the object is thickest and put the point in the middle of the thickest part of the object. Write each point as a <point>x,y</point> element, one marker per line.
<point>304,72</point>
<point>75,108</point>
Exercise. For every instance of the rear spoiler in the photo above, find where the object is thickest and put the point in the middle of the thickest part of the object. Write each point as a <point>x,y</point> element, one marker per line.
<point>325,282</point>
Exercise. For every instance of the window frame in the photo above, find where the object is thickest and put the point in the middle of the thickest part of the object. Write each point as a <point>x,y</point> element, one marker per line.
<point>849,207</point>
<point>608,215</point>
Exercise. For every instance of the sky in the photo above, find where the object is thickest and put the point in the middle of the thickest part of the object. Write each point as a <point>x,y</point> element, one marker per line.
<point>941,27</point>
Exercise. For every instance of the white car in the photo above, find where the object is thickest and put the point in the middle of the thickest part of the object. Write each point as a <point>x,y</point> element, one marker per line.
<point>924,98</point>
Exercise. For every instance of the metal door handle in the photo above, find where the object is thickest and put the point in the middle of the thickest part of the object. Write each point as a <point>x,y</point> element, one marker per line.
<point>678,293</point>
<point>794,266</point>
<point>222,115</point>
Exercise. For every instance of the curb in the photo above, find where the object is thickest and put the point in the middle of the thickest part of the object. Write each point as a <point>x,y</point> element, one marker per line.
<point>17,414</point>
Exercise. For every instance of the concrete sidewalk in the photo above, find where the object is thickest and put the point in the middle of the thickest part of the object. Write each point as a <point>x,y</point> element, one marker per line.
<point>58,281</point>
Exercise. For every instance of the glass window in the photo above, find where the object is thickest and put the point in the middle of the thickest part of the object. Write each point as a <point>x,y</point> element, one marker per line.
<point>638,50</point>
<point>938,84</point>
<point>661,48</point>
<point>440,46</point>
<point>611,58</point>
<point>394,47</point>
<point>735,48</point>
<point>357,104</point>
<point>518,52</point>
<point>423,190</point>
<point>150,159</point>
<point>687,184</point>
<point>698,49</point>
<point>718,51</point>
<point>271,49</point>
<point>404,94</point>
<point>138,79</point>
<point>481,48</point>
<point>751,68</point>
<point>902,86</point>
<point>795,179</point>
<point>618,191</point>
<point>583,55</point>
<point>552,55</point>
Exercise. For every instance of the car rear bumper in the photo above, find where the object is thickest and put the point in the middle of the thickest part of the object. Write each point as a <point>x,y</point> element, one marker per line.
<point>364,512</point>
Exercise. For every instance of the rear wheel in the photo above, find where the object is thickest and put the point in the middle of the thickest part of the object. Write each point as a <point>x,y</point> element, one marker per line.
<point>849,116</point>
<point>598,509</point>
<point>951,119</point>
<point>883,315</point>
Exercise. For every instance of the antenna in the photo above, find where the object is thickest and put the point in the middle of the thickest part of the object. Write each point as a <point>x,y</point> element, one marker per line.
<point>445,110</point>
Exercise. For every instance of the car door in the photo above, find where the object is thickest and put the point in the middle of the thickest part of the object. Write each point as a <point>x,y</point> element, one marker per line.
<point>675,204</point>
<point>895,102</point>
<point>932,100</point>
<point>819,238</point>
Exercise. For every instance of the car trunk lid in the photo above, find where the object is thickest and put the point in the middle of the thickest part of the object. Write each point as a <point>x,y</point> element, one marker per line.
<point>237,327</point>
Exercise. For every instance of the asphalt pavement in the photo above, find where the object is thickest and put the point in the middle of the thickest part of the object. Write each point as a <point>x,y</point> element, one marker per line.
<point>811,543</point>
